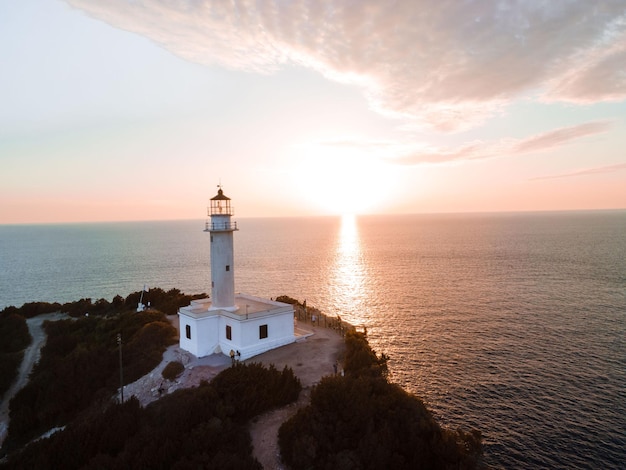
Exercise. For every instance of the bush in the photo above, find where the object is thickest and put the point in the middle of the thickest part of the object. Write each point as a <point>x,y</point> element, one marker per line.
<point>9,366</point>
<point>32,309</point>
<point>145,349</point>
<point>167,302</point>
<point>188,429</point>
<point>79,365</point>
<point>363,421</point>
<point>240,387</point>
<point>14,338</point>
<point>172,370</point>
<point>288,300</point>
<point>14,335</point>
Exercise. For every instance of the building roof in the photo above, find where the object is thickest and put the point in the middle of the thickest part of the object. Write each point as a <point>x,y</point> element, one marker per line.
<point>220,196</point>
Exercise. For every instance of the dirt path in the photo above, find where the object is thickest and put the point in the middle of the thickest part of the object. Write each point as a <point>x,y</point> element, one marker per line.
<point>31,356</point>
<point>310,359</point>
<point>264,432</point>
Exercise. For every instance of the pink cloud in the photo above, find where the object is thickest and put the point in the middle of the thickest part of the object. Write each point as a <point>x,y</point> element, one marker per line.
<point>596,73</point>
<point>446,64</point>
<point>559,137</point>
<point>585,172</point>
<point>505,147</point>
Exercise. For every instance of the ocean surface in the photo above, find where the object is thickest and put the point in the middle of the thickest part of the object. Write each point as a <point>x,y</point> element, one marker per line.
<point>513,324</point>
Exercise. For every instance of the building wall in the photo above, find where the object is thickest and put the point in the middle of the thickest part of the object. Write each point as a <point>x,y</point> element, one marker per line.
<point>235,342</point>
<point>208,334</point>
<point>222,269</point>
<point>203,332</point>
<point>280,331</point>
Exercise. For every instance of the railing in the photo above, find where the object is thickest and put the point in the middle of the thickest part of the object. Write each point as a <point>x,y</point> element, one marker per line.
<point>220,226</point>
<point>315,317</point>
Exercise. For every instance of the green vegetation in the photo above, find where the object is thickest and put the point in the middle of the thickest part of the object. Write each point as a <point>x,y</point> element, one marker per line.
<point>9,366</point>
<point>32,309</point>
<point>14,338</point>
<point>250,389</point>
<point>361,421</point>
<point>202,427</point>
<point>289,300</point>
<point>356,421</point>
<point>14,335</point>
<point>79,368</point>
<point>172,370</point>
<point>167,302</point>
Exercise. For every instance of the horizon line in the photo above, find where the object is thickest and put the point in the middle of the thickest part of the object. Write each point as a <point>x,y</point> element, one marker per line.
<point>310,216</point>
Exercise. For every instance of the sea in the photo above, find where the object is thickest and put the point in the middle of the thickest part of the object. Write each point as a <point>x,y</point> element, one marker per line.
<point>510,323</point>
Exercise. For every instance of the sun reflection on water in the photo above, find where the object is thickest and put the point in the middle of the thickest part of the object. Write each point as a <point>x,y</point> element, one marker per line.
<point>348,277</point>
<point>349,243</point>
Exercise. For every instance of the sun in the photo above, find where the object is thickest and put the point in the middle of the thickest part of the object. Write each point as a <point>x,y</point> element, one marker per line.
<point>342,181</point>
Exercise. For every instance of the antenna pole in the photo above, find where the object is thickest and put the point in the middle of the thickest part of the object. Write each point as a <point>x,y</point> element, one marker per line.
<point>119,343</point>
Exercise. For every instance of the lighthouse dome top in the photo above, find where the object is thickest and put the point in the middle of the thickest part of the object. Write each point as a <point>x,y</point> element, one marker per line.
<point>220,196</point>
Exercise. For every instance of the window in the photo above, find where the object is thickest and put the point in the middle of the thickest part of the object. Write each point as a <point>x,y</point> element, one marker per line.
<point>228,267</point>
<point>229,332</point>
<point>211,238</point>
<point>212,284</point>
<point>262,331</point>
<point>188,331</point>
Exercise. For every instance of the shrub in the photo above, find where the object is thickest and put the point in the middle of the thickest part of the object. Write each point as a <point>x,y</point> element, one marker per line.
<point>362,360</point>
<point>172,370</point>
<point>251,388</point>
<point>32,309</point>
<point>363,421</point>
<point>188,429</point>
<point>79,364</point>
<point>145,349</point>
<point>14,338</point>
<point>167,302</point>
<point>14,335</point>
<point>288,300</point>
<point>9,366</point>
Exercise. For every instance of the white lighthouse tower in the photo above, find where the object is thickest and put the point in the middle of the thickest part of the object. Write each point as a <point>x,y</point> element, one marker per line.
<point>222,253</point>
<point>225,322</point>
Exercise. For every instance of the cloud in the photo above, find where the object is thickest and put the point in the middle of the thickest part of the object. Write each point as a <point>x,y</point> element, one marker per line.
<point>559,137</point>
<point>446,64</point>
<point>587,171</point>
<point>507,147</point>
<point>595,73</point>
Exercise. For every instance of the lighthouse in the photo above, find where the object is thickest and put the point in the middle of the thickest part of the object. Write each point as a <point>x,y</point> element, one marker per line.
<point>221,229</point>
<point>226,321</point>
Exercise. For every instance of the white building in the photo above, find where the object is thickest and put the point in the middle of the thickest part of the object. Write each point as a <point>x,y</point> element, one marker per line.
<point>226,322</point>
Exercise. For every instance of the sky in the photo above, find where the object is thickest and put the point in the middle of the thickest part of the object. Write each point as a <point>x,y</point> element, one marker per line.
<point>138,110</point>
